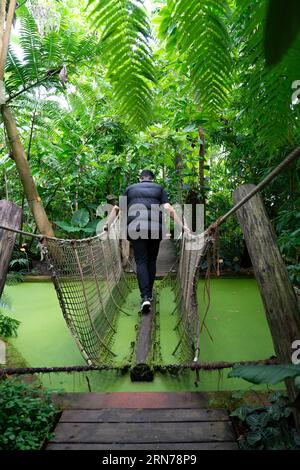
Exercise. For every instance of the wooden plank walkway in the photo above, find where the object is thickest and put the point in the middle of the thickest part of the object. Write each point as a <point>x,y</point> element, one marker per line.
<point>141,370</point>
<point>147,421</point>
<point>167,259</point>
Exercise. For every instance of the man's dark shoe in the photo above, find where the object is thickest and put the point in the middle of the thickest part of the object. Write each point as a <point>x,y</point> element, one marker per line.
<point>145,305</point>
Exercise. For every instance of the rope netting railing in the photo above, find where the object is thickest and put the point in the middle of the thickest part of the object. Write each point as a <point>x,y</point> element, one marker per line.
<point>91,289</point>
<point>192,249</point>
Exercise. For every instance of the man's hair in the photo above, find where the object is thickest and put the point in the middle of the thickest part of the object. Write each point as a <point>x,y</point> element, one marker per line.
<point>147,174</point>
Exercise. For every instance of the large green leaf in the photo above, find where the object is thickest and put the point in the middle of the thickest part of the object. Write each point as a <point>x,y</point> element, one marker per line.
<point>67,227</point>
<point>80,218</point>
<point>253,437</point>
<point>282,28</point>
<point>264,374</point>
<point>258,420</point>
<point>91,227</point>
<point>241,412</point>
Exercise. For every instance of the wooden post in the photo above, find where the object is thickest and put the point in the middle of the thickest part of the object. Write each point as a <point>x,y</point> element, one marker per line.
<point>277,293</point>
<point>10,215</point>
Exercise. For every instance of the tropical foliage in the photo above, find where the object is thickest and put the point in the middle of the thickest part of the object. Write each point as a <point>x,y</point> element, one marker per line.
<point>126,49</point>
<point>27,416</point>
<point>267,427</point>
<point>8,326</point>
<point>103,89</point>
<point>199,33</point>
<point>267,374</point>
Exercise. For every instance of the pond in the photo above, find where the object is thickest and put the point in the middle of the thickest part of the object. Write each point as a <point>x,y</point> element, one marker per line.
<point>236,322</point>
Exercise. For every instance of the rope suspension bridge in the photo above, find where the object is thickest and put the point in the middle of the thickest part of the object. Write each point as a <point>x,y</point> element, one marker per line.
<point>92,285</point>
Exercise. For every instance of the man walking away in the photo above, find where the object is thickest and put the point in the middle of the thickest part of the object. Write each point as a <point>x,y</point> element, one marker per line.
<point>145,229</point>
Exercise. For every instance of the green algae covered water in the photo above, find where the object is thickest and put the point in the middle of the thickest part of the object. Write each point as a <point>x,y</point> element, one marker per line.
<point>236,323</point>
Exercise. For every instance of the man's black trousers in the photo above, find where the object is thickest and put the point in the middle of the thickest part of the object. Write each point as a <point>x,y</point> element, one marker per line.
<point>145,255</point>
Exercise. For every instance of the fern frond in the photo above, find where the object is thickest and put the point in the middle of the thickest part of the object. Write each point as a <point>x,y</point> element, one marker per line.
<point>31,43</point>
<point>15,76</point>
<point>125,33</point>
<point>52,51</point>
<point>41,57</point>
<point>199,29</point>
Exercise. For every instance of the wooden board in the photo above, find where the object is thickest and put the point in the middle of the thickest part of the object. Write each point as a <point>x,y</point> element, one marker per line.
<point>95,401</point>
<point>129,433</point>
<point>144,340</point>
<point>144,421</point>
<point>143,415</point>
<point>182,446</point>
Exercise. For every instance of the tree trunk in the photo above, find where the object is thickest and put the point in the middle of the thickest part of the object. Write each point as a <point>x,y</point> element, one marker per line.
<point>178,172</point>
<point>202,170</point>
<point>6,186</point>
<point>22,165</point>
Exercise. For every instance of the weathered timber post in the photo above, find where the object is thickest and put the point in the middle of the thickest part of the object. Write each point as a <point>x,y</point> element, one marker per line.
<point>10,215</point>
<point>278,295</point>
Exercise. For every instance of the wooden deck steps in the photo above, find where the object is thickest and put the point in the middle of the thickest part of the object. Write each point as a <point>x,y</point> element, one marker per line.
<point>147,421</point>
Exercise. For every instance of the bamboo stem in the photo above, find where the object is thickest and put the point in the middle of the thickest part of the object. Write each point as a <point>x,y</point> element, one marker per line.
<point>26,178</point>
<point>5,32</point>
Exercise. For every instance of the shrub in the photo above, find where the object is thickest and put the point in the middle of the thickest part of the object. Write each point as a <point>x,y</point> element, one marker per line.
<point>27,416</point>
<point>268,427</point>
<point>8,326</point>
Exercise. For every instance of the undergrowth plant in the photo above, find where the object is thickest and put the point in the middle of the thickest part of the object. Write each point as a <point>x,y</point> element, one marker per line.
<point>8,325</point>
<point>268,427</point>
<point>27,416</point>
